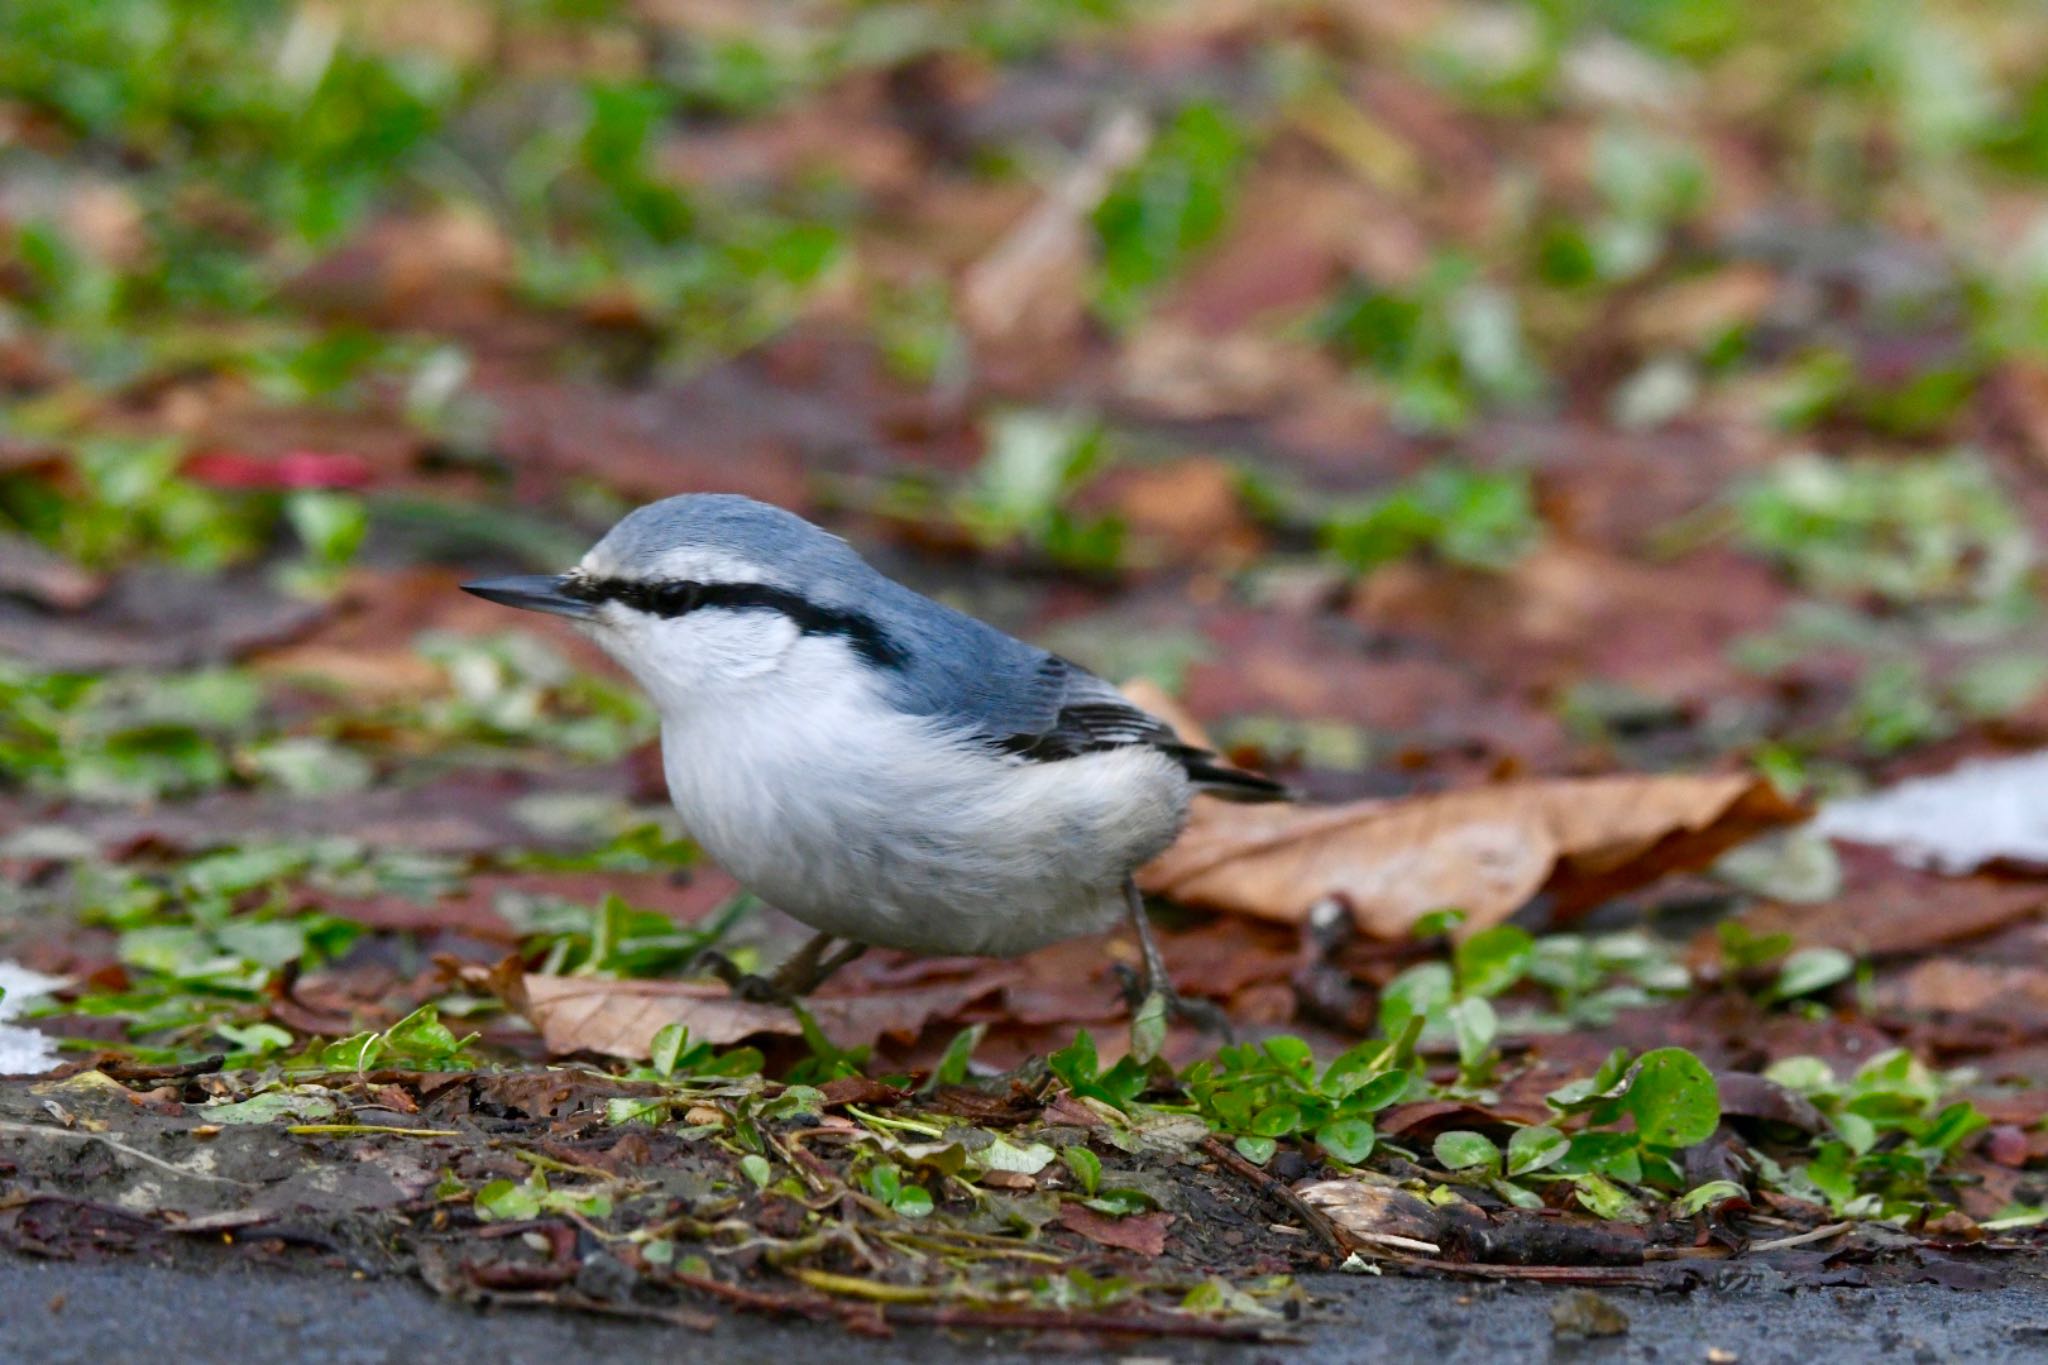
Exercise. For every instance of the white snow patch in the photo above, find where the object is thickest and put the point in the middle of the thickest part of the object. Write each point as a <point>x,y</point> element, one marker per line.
<point>23,1051</point>
<point>1956,822</point>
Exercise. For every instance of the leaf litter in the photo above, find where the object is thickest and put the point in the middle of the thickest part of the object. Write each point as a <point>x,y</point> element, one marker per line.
<point>1545,538</point>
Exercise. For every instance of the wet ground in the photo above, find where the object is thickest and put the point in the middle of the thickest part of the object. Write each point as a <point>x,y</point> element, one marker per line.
<point>111,1313</point>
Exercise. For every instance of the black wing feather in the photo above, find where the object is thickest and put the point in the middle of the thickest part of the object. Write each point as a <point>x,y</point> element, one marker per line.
<point>1092,716</point>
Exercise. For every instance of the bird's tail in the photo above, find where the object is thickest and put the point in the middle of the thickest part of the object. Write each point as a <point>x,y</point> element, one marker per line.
<point>1214,777</point>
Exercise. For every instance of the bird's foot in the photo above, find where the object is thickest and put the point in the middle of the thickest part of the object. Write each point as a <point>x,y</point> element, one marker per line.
<point>1205,1015</point>
<point>751,986</point>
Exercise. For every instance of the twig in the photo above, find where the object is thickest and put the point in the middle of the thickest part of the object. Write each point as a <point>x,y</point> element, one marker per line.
<point>1612,1277</point>
<point>1819,1234</point>
<point>1313,1218</point>
<point>569,1298</point>
<point>38,1131</point>
<point>1388,1239</point>
<point>1054,1319</point>
<point>354,1129</point>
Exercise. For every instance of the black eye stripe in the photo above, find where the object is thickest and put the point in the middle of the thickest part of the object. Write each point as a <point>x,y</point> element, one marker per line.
<point>671,598</point>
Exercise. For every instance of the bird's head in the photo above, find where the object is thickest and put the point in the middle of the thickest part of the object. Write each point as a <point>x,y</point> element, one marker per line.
<point>704,593</point>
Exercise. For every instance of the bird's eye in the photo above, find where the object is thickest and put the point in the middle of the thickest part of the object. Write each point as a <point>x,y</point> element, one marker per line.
<point>680,597</point>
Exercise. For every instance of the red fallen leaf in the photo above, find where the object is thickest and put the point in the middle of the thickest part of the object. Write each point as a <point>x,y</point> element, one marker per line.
<point>1144,1233</point>
<point>293,469</point>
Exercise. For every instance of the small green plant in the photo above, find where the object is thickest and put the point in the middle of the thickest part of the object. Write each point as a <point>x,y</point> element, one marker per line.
<point>1891,1128</point>
<point>1445,345</point>
<point>1927,530</point>
<point>420,1040</point>
<point>506,1201</point>
<point>1474,518</point>
<point>1174,201</point>
<point>1036,461</point>
<point>885,1182</point>
<point>1800,972</point>
<point>616,939</point>
<point>1274,1090</point>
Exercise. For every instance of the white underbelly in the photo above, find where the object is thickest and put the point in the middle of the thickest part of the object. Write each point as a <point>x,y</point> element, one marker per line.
<point>935,851</point>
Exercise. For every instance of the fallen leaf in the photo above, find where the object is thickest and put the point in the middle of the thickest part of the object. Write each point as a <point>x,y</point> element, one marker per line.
<point>1143,1233</point>
<point>1485,851</point>
<point>1885,909</point>
<point>1367,1214</point>
<point>159,618</point>
<point>620,1018</point>
<point>28,569</point>
<point>2013,992</point>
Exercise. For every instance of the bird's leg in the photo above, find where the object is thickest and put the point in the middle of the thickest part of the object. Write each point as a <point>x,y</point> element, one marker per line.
<point>800,973</point>
<point>1201,1013</point>
<point>808,968</point>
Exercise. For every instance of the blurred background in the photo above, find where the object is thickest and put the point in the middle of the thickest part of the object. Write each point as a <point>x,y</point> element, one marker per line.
<point>1423,393</point>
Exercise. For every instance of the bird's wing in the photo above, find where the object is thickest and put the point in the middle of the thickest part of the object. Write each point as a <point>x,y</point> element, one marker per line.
<point>996,690</point>
<point>1088,715</point>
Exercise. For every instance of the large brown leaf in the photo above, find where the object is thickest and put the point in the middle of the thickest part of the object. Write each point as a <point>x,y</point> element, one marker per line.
<point>620,1018</point>
<point>1485,851</point>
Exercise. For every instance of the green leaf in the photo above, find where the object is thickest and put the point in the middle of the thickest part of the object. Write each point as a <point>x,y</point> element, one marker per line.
<point>1148,1028</point>
<point>952,1067</point>
<point>1436,924</point>
<point>272,1106</point>
<point>669,1042</point>
<point>1461,1150</point>
<point>1533,1148</point>
<point>1349,1140</point>
<point>1673,1098</point>
<point>1958,1121</point>
<point>1475,1025</point>
<point>1713,1192</point>
<point>1257,1150</point>
<point>1604,1199</point>
<point>1416,993</point>
<point>1121,1202</point>
<point>504,1201</point>
<point>1085,1165</point>
<point>1277,1121</point>
<point>1491,961</point>
<point>757,1169</point>
<point>913,1201</point>
<point>1810,970</point>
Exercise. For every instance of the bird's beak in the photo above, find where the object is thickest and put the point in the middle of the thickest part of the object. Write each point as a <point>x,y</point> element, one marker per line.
<point>532,592</point>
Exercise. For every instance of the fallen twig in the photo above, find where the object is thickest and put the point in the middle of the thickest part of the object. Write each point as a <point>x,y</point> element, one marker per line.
<point>1057,1319</point>
<point>1315,1219</point>
<point>1819,1234</point>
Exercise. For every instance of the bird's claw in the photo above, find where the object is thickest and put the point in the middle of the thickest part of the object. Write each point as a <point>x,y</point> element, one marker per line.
<point>1205,1015</point>
<point>750,986</point>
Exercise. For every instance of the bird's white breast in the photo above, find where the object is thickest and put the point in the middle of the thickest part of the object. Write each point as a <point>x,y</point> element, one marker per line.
<point>890,829</point>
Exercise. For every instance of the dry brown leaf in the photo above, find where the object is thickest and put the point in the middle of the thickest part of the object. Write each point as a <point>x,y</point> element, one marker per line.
<point>1887,910</point>
<point>1374,1216</point>
<point>1143,1233</point>
<point>1485,851</point>
<point>620,1018</point>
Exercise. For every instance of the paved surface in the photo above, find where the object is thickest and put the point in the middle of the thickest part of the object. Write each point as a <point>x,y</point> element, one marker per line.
<point>119,1312</point>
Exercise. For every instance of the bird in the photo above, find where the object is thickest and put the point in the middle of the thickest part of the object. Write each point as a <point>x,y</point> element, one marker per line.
<point>887,770</point>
